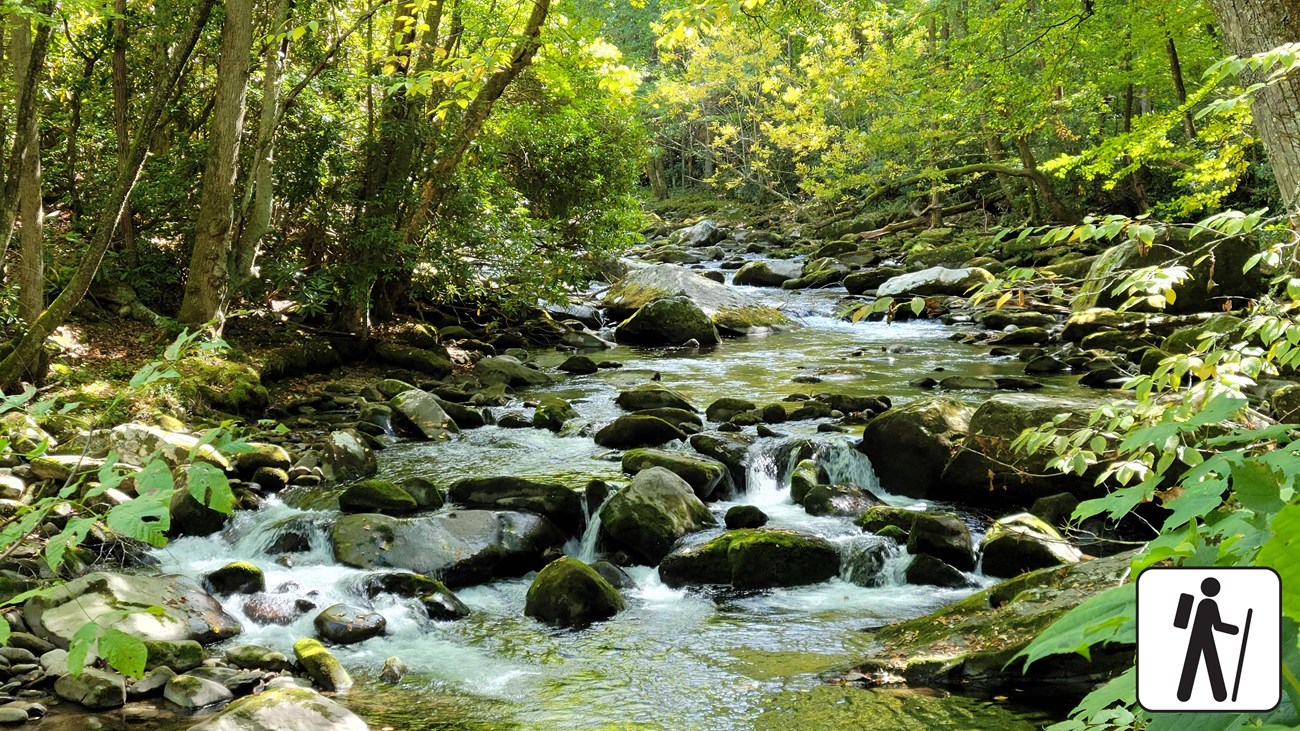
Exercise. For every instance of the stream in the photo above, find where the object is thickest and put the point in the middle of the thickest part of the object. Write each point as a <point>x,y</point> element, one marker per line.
<point>676,658</point>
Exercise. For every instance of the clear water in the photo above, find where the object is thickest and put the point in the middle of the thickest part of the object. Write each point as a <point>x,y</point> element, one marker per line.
<point>675,659</point>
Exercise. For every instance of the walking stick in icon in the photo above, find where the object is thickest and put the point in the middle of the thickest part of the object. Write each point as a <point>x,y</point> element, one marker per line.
<point>1241,658</point>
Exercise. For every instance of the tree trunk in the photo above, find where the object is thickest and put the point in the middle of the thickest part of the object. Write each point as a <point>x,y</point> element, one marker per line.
<point>209,274</point>
<point>31,247</point>
<point>1058,209</point>
<point>76,103</point>
<point>1180,89</point>
<point>121,94</point>
<point>1252,26</point>
<point>13,365</point>
<point>24,121</point>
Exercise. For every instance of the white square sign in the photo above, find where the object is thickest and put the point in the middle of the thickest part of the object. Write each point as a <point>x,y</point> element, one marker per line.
<point>1209,639</point>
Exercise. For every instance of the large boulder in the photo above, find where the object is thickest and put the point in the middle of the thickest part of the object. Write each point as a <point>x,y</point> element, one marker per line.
<point>345,457</point>
<point>188,612</point>
<point>943,536</point>
<point>570,593</point>
<point>344,624</point>
<point>651,514</point>
<point>909,445</point>
<point>987,472</point>
<point>729,448</point>
<point>971,644</point>
<point>753,559</point>
<point>845,500</point>
<point>703,233</point>
<point>460,548</point>
<point>137,443</point>
<point>284,709</point>
<point>930,571</point>
<point>429,361</point>
<point>653,396</point>
<point>503,369</point>
<point>1023,542</point>
<point>767,273</point>
<point>668,321</point>
<point>423,414</point>
<point>637,430</point>
<point>731,311</point>
<point>703,474</point>
<point>934,281</point>
<point>377,496</point>
<point>561,504</point>
<point>1213,280</point>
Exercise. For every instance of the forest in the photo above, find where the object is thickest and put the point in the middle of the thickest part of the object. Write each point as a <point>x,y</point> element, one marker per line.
<point>663,364</point>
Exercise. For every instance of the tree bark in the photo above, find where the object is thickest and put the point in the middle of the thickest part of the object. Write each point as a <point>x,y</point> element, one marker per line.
<point>209,274</point>
<point>1253,26</point>
<point>121,98</point>
<point>29,347</point>
<point>1180,89</point>
<point>24,119</point>
<point>31,212</point>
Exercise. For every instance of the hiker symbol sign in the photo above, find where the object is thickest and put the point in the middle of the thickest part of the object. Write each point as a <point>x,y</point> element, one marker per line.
<point>1209,639</point>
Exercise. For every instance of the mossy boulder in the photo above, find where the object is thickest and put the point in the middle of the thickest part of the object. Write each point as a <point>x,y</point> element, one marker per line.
<point>637,430</point>
<point>345,456</point>
<point>867,280</point>
<point>439,602</point>
<point>1083,323</point>
<point>237,577</point>
<point>971,644</point>
<point>223,385</point>
<point>944,536</point>
<point>427,495</point>
<point>96,690</point>
<point>753,559</point>
<point>344,624</point>
<point>726,407</point>
<point>192,692</point>
<point>933,282</point>
<point>999,319</point>
<point>744,516</point>
<point>322,667</point>
<point>728,308</point>
<point>668,321</point>
<point>941,255</point>
<point>560,503</point>
<point>1023,542</point>
<point>568,593</point>
<point>728,448</point>
<point>553,413</point>
<point>703,474</point>
<point>257,657</point>
<point>509,371</point>
<point>647,517</point>
<point>432,361</point>
<point>459,548</point>
<point>687,421</point>
<point>927,570</point>
<point>653,396</point>
<point>880,517</point>
<point>803,478</point>
<point>1187,339</point>
<point>844,500</point>
<point>421,414</point>
<point>179,655</point>
<point>909,445</point>
<point>377,496</point>
<point>987,472</point>
<point>284,709</point>
<point>766,273</point>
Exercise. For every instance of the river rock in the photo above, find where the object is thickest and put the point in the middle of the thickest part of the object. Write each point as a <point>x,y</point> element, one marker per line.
<point>188,612</point>
<point>503,369</point>
<point>703,474</point>
<point>730,310</point>
<point>989,473</point>
<point>261,456</point>
<point>439,601</point>
<point>345,457</point>
<point>728,448</point>
<point>422,414</point>
<point>427,495</point>
<point>179,655</point>
<point>237,577</point>
<point>553,413</point>
<point>744,516</point>
<point>579,365</point>
<point>344,624</point>
<point>651,514</point>
<point>191,692</point>
<point>460,548</point>
<point>943,536</point>
<point>704,233</point>
<point>970,644</point>
<point>558,502</point>
<point>1023,542</point>
<point>377,496</point>
<point>934,281</point>
<point>570,593</point>
<point>637,430</point>
<point>687,421</point>
<point>151,685</point>
<point>653,396</point>
<point>880,518</point>
<point>324,669</point>
<point>256,657</point>
<point>846,500</point>
<point>431,362</point>
<point>753,559</point>
<point>766,273</point>
<point>668,321</point>
<point>930,571</point>
<point>137,443</point>
<point>726,407</point>
<point>97,690</point>
<point>909,445</point>
<point>280,609</point>
<point>284,709</point>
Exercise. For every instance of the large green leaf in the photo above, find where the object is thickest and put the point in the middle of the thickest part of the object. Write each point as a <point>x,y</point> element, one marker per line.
<point>79,647</point>
<point>1282,553</point>
<point>146,518</point>
<point>1104,618</point>
<point>125,653</point>
<point>210,487</point>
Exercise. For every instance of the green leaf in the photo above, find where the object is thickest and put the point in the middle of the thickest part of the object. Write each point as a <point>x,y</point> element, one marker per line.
<point>210,487</point>
<point>125,653</point>
<point>155,479</point>
<point>146,518</point>
<point>4,633</point>
<point>72,535</point>
<point>1282,554</point>
<point>1104,618</point>
<point>1257,487</point>
<point>79,647</point>
<point>918,305</point>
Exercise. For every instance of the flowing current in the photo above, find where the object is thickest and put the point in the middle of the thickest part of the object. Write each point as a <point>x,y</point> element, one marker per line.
<point>675,659</point>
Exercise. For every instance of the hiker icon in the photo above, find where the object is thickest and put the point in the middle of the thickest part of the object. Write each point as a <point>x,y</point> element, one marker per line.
<point>1203,645</point>
<point>1209,639</point>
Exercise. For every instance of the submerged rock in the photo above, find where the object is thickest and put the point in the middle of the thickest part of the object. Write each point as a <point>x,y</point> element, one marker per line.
<point>651,514</point>
<point>753,559</point>
<point>570,593</point>
<point>460,548</point>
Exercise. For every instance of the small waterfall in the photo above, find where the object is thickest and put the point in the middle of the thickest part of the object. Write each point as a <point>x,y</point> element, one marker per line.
<point>845,465</point>
<point>766,482</point>
<point>583,547</point>
<point>872,561</point>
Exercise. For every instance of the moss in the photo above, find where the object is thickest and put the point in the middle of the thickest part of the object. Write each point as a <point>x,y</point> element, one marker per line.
<point>325,669</point>
<point>179,655</point>
<point>376,496</point>
<point>218,384</point>
<point>755,558</point>
<point>745,319</point>
<point>568,592</point>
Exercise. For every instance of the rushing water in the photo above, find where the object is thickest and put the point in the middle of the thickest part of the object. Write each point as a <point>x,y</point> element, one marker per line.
<point>675,659</point>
